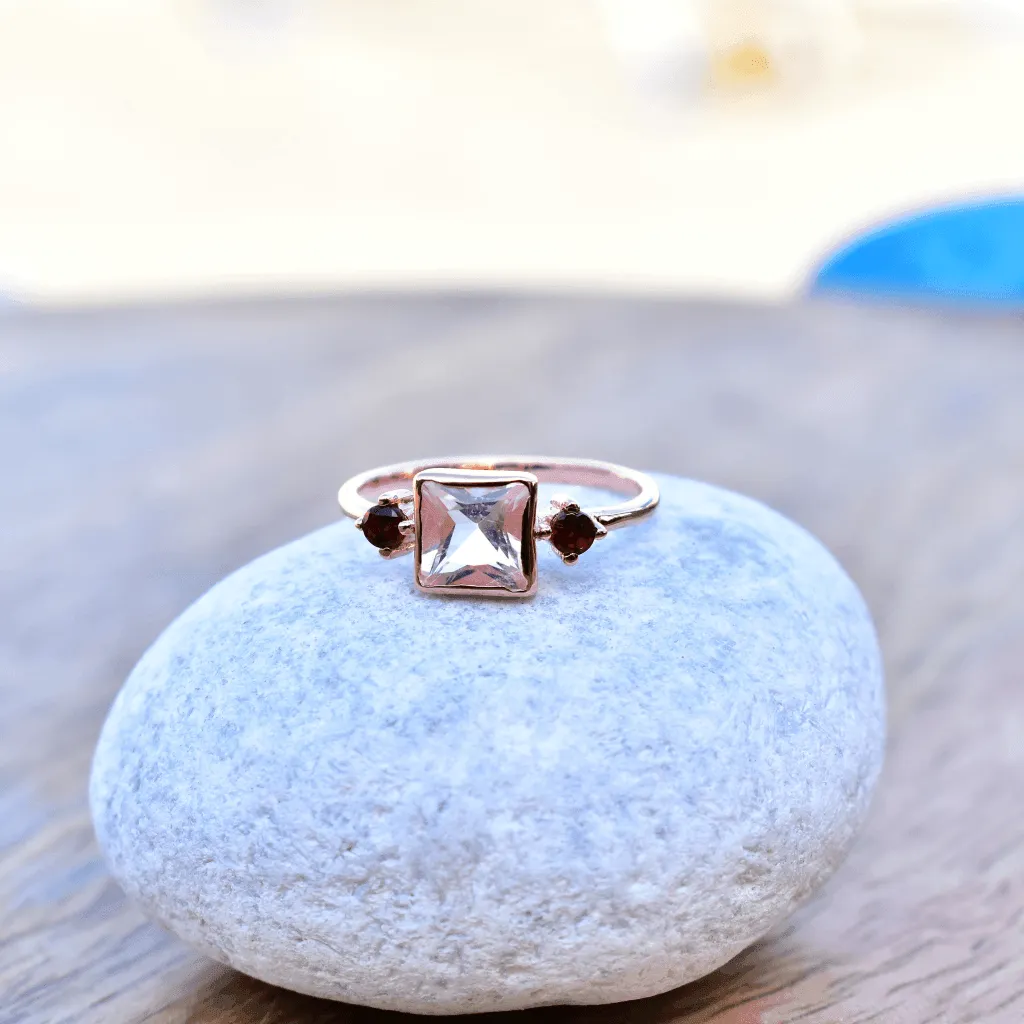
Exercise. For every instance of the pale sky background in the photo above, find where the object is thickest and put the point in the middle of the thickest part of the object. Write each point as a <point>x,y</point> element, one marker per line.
<point>154,149</point>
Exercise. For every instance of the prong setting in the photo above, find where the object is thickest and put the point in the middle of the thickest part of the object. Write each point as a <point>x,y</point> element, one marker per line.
<point>386,524</point>
<point>397,498</point>
<point>569,529</point>
<point>390,553</point>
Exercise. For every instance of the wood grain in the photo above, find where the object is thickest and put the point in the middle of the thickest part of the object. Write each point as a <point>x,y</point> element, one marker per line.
<point>146,452</point>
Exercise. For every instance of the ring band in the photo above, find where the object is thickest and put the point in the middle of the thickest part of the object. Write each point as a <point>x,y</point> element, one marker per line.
<point>472,520</point>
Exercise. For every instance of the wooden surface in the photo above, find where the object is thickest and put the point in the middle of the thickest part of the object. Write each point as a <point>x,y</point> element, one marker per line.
<point>147,452</point>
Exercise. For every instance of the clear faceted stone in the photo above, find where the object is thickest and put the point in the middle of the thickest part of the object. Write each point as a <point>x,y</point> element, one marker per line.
<point>474,535</point>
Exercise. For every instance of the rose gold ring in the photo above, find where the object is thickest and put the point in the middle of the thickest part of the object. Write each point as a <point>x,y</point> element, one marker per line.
<point>472,520</point>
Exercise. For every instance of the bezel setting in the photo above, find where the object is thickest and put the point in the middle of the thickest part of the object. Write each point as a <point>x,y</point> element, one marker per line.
<point>504,519</point>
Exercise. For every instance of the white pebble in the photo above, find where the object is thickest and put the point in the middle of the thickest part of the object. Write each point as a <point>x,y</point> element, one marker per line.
<point>453,805</point>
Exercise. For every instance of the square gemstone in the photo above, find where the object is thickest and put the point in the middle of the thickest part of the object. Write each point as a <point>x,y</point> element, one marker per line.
<point>474,531</point>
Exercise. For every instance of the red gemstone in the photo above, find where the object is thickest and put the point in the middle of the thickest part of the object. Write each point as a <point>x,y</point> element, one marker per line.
<point>572,533</point>
<point>380,527</point>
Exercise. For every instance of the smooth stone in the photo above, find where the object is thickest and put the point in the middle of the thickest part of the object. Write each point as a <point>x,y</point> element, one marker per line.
<point>446,805</point>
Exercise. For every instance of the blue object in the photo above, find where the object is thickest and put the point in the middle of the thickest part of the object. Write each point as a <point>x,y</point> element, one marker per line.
<point>972,253</point>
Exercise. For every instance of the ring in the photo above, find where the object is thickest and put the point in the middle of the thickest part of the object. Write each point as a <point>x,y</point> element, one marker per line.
<point>472,520</point>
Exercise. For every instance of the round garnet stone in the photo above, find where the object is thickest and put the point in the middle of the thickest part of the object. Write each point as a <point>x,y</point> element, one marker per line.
<point>572,533</point>
<point>380,527</point>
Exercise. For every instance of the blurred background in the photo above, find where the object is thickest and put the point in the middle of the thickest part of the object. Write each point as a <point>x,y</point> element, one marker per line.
<point>181,148</point>
<point>251,247</point>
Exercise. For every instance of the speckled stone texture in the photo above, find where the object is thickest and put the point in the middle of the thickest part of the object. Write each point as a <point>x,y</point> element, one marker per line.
<point>452,805</point>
